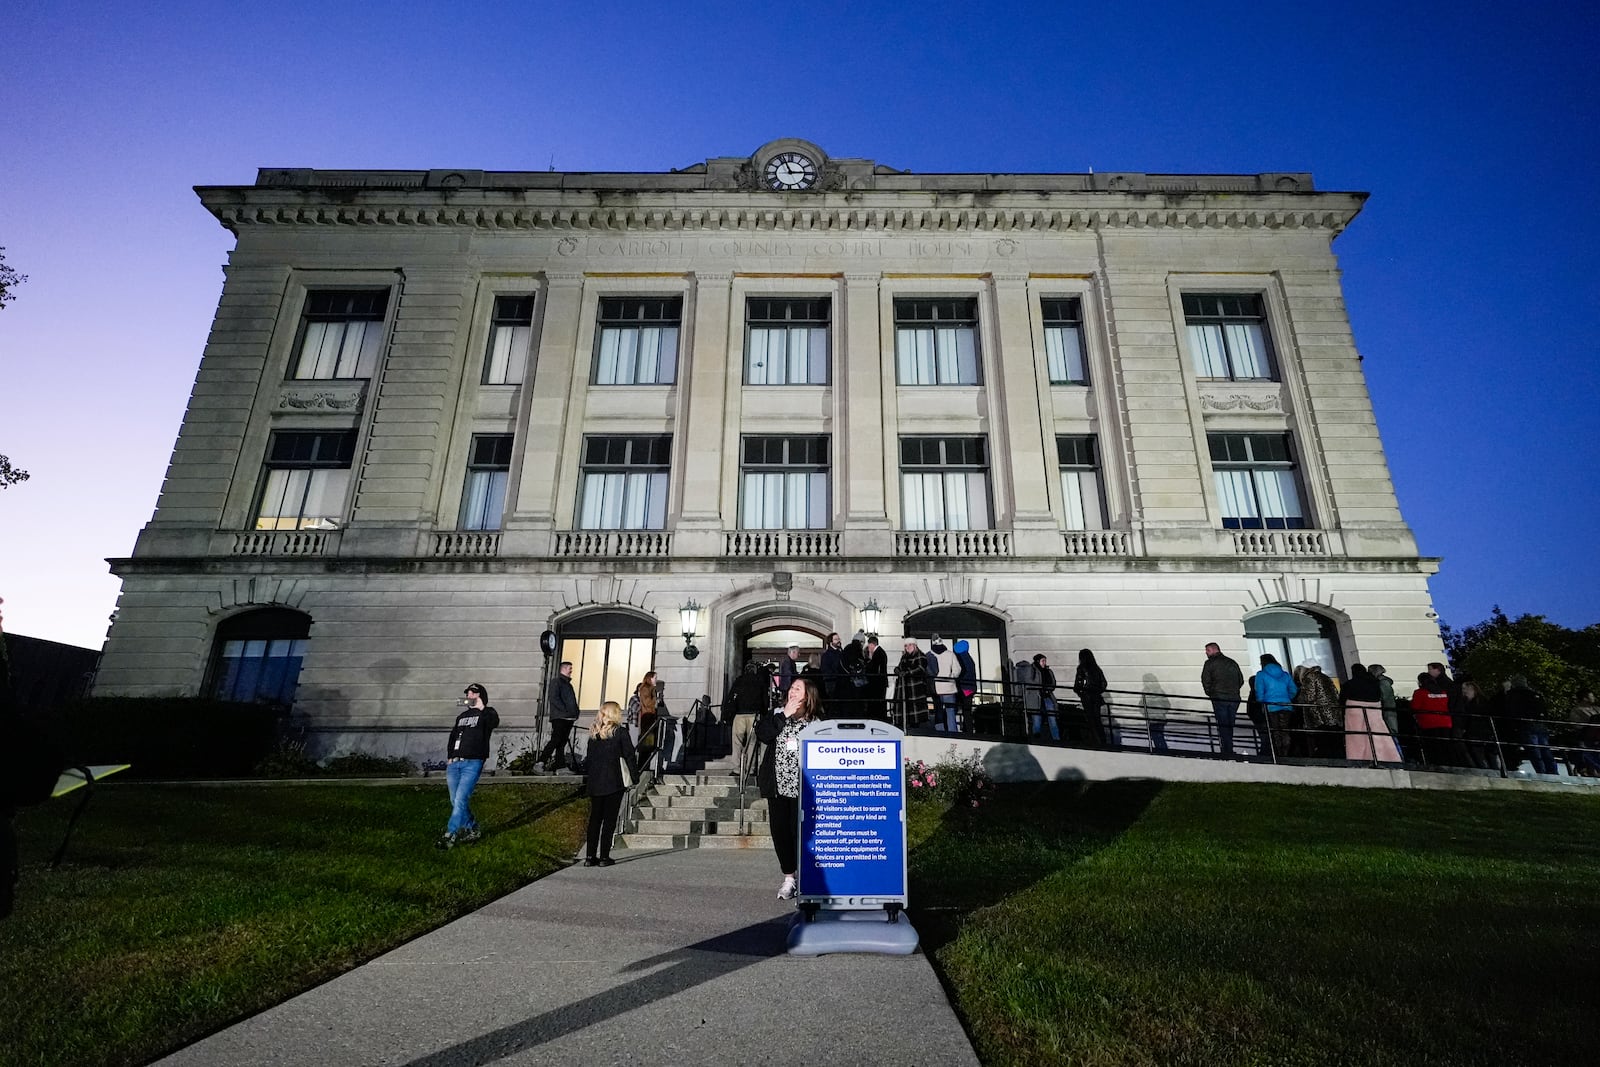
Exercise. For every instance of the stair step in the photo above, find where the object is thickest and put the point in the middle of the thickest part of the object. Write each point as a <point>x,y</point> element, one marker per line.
<point>700,826</point>
<point>677,841</point>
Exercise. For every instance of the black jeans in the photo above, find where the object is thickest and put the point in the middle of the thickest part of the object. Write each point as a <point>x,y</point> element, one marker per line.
<point>603,811</point>
<point>556,747</point>
<point>783,813</point>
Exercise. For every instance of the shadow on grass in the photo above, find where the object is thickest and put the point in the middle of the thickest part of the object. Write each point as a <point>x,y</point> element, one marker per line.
<point>1027,832</point>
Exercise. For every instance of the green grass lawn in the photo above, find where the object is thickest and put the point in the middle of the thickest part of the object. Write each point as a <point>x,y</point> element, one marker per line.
<point>1139,923</point>
<point>179,909</point>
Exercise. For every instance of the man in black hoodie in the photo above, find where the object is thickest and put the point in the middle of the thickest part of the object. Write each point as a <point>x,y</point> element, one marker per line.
<point>466,751</point>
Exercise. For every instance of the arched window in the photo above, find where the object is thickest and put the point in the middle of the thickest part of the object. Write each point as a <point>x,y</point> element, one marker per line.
<point>1294,637</point>
<point>258,656</point>
<point>985,633</point>
<point>610,652</point>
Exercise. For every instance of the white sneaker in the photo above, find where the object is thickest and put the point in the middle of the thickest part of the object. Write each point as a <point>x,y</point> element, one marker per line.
<point>786,891</point>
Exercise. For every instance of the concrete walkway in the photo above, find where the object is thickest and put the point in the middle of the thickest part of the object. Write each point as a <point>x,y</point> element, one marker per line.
<point>667,957</point>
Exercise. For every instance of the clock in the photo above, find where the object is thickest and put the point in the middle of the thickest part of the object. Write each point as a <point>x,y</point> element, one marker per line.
<point>790,170</point>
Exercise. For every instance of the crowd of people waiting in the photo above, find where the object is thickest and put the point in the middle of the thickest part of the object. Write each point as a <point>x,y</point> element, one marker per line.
<point>1298,713</point>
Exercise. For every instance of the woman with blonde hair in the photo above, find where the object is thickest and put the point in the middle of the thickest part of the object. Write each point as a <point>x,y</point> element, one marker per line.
<point>779,775</point>
<point>610,768</point>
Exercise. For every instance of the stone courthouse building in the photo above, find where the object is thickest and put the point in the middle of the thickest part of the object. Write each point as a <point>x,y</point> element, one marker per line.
<point>441,412</point>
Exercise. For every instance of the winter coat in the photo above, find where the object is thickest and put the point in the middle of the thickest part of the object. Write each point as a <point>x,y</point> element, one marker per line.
<point>1090,680</point>
<point>967,676</point>
<point>1320,698</point>
<point>911,687</point>
<point>563,701</point>
<point>1431,709</point>
<point>944,668</point>
<point>1027,679</point>
<point>1275,689</point>
<point>603,762</point>
<point>1221,678</point>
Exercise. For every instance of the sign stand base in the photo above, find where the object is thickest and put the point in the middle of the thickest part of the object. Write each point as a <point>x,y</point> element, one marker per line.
<point>851,931</point>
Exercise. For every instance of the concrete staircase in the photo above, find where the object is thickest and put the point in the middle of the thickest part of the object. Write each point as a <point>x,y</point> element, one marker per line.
<point>700,810</point>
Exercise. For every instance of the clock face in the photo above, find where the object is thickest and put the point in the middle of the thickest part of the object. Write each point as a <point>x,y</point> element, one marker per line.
<point>791,170</point>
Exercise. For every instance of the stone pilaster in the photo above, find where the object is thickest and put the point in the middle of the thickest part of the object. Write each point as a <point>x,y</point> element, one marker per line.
<point>542,424</point>
<point>864,456</point>
<point>1017,438</point>
<point>702,411</point>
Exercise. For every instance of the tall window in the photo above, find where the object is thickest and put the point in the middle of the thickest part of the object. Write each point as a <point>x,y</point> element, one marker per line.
<point>1080,482</point>
<point>1228,335</point>
<point>786,341</point>
<point>488,467</point>
<point>638,340</point>
<point>1257,485</point>
<point>258,656</point>
<point>944,483</point>
<point>610,653</point>
<point>510,337</point>
<point>308,477</point>
<point>625,482</point>
<point>936,341</point>
<point>784,483</point>
<point>1063,341</point>
<point>341,334</point>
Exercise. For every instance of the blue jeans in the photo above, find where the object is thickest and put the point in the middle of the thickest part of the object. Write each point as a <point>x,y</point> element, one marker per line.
<point>1537,740</point>
<point>461,776</point>
<point>1046,715</point>
<point>947,705</point>
<point>1225,711</point>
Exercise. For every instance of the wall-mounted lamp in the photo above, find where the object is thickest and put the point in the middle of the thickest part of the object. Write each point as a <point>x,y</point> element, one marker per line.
<point>690,616</point>
<point>871,616</point>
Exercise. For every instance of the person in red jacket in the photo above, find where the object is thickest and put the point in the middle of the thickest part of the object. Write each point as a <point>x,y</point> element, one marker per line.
<point>1430,706</point>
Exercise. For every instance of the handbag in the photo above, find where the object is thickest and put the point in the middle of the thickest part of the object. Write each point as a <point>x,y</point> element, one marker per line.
<point>627,773</point>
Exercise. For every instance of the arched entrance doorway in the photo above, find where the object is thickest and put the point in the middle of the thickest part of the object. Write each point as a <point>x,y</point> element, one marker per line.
<point>984,633</point>
<point>610,652</point>
<point>257,656</point>
<point>1294,636</point>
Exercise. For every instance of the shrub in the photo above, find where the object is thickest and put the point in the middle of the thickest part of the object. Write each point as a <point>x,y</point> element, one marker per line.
<point>961,782</point>
<point>521,763</point>
<point>359,764</point>
<point>288,760</point>
<point>166,737</point>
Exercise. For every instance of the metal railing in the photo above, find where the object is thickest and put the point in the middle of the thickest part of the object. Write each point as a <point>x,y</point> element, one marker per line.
<point>1186,725</point>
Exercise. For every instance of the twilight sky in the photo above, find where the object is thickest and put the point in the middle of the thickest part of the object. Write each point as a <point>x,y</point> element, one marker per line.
<point>1472,277</point>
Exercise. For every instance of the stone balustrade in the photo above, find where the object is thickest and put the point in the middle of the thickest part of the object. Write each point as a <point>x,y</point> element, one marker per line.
<point>934,544</point>
<point>285,543</point>
<point>615,544</point>
<point>466,544</point>
<point>1097,543</point>
<point>782,544</point>
<point>1280,543</point>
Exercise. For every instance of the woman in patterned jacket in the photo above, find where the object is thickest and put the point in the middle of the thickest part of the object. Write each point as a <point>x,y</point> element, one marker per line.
<point>779,775</point>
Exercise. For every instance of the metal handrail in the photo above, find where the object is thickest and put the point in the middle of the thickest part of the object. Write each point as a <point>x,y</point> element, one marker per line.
<point>1165,711</point>
<point>644,780</point>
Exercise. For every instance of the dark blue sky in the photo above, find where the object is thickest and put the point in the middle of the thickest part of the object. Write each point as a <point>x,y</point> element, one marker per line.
<point>1470,276</point>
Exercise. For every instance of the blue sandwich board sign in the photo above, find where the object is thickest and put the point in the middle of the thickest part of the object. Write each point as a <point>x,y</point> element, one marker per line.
<point>852,817</point>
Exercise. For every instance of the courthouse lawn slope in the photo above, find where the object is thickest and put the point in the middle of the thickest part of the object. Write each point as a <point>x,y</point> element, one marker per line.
<point>1132,923</point>
<point>180,908</point>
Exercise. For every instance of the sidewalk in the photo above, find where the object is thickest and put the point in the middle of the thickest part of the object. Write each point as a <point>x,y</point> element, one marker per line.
<point>668,957</point>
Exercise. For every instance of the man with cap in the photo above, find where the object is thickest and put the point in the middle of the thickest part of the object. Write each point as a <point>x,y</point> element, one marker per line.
<point>467,749</point>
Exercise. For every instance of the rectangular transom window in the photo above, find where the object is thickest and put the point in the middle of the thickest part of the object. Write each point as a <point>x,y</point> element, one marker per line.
<point>510,338</point>
<point>944,483</point>
<point>307,480</point>
<point>784,483</point>
<point>1081,489</point>
<point>936,341</point>
<point>625,482</point>
<point>1257,482</point>
<point>1228,336</point>
<point>1063,340</point>
<point>786,340</point>
<point>341,334</point>
<point>483,502</point>
<point>638,343</point>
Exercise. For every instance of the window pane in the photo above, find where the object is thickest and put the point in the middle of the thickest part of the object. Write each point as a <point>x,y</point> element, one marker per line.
<point>945,369</point>
<point>656,512</point>
<point>1249,353</point>
<point>1236,497</point>
<point>667,360</point>
<point>912,504</point>
<point>325,493</point>
<point>817,356</point>
<point>817,505</point>
<point>1210,360</point>
<point>350,350</point>
<point>966,341</point>
<point>606,371</point>
<point>1280,500</point>
<point>1072,498</point>
<point>612,501</point>
<point>593,496</point>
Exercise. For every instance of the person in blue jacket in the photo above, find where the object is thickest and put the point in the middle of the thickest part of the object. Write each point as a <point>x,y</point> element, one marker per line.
<point>1275,691</point>
<point>966,681</point>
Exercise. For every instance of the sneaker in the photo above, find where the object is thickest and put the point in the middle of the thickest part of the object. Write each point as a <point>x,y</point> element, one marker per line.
<point>445,842</point>
<point>606,861</point>
<point>591,862</point>
<point>787,890</point>
<point>469,835</point>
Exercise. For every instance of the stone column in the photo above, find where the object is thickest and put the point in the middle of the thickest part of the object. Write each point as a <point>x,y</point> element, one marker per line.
<point>542,422</point>
<point>1017,438</point>
<point>863,457</point>
<point>702,409</point>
